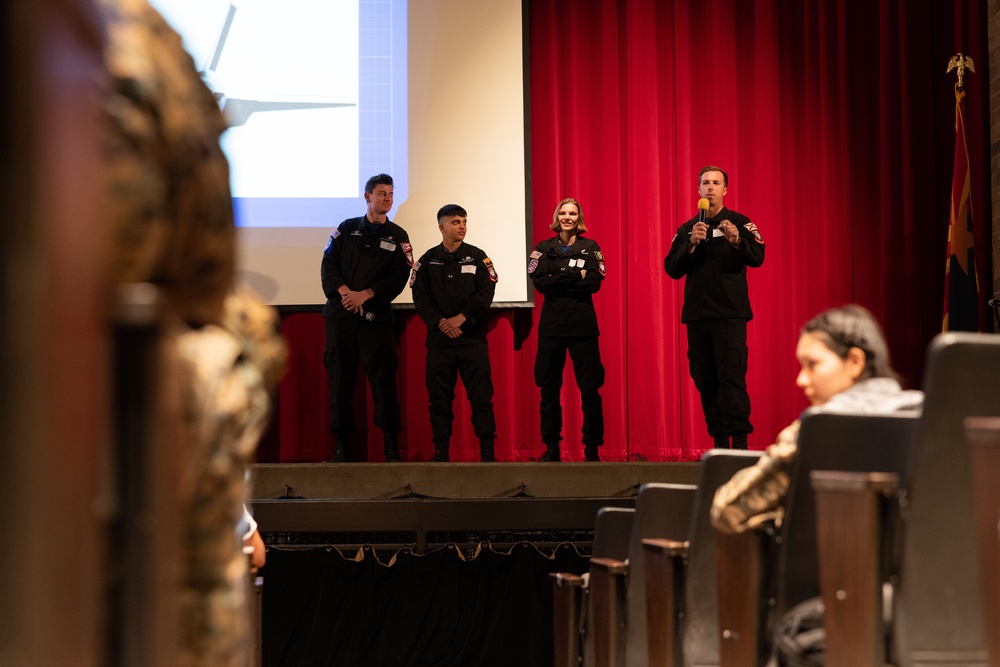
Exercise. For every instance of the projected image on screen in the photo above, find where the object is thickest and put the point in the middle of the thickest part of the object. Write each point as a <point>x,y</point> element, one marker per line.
<point>291,77</point>
<point>322,94</point>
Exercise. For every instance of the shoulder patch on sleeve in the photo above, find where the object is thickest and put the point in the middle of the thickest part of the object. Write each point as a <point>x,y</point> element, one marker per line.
<point>489,267</point>
<point>752,228</point>
<point>536,254</point>
<point>413,273</point>
<point>329,241</point>
<point>408,251</point>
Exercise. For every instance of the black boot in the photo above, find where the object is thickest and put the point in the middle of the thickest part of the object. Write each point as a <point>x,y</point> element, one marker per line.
<point>390,447</point>
<point>440,452</point>
<point>739,440</point>
<point>486,450</point>
<point>590,453</point>
<point>341,443</point>
<point>720,441</point>
<point>551,452</point>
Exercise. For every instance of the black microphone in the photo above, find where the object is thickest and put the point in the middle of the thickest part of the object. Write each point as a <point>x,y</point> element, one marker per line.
<point>702,210</point>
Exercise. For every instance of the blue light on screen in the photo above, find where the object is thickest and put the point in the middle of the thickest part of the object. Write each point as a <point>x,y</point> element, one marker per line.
<point>315,95</point>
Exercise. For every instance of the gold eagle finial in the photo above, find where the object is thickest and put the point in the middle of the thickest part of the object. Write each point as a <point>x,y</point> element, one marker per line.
<point>962,63</point>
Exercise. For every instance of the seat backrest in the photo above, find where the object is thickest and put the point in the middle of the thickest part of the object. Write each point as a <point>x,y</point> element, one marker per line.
<point>612,532</point>
<point>662,510</point>
<point>612,535</point>
<point>851,443</point>
<point>938,601</point>
<point>700,629</point>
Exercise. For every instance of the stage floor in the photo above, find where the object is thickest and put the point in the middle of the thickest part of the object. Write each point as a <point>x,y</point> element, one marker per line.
<point>383,481</point>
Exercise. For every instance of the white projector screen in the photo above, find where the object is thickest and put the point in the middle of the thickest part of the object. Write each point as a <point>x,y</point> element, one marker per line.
<point>323,94</point>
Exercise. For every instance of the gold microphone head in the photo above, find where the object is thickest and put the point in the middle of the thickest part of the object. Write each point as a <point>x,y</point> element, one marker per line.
<point>703,204</point>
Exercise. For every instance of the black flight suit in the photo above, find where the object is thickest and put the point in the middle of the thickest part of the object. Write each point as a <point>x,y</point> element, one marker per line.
<point>716,311</point>
<point>363,255</point>
<point>569,323</point>
<point>444,285</point>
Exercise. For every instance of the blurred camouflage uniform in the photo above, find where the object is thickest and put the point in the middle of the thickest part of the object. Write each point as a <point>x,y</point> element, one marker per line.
<point>172,219</point>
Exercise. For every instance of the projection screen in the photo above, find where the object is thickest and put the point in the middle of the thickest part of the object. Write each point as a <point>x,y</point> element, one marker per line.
<point>322,94</point>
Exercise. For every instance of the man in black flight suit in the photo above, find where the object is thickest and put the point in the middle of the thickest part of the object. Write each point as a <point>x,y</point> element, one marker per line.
<point>453,286</point>
<point>364,268</point>
<point>714,255</point>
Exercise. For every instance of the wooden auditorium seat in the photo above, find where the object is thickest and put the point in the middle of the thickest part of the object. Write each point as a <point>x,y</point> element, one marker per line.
<point>661,510</point>
<point>571,607</point>
<point>850,508</point>
<point>938,614</point>
<point>681,587</point>
<point>827,442</point>
<point>983,434</point>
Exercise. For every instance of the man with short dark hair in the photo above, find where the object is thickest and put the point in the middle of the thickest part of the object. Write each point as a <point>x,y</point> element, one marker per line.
<point>364,268</point>
<point>714,255</point>
<point>453,286</point>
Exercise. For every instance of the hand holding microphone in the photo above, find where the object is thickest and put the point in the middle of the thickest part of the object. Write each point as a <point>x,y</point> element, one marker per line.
<point>353,302</point>
<point>703,207</point>
<point>699,232</point>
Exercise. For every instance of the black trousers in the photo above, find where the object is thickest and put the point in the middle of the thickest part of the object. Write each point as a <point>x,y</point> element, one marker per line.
<point>549,364</point>
<point>349,341</point>
<point>717,357</point>
<point>444,365</point>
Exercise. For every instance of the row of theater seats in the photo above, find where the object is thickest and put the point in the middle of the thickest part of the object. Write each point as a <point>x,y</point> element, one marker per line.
<point>893,522</point>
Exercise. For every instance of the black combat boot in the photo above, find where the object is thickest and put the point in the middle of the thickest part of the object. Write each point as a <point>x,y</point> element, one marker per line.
<point>720,441</point>
<point>590,453</point>
<point>739,440</point>
<point>341,444</point>
<point>486,450</point>
<point>551,452</point>
<point>390,447</point>
<point>440,452</point>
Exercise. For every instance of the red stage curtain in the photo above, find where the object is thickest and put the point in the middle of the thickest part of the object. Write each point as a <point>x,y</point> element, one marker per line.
<point>835,122</point>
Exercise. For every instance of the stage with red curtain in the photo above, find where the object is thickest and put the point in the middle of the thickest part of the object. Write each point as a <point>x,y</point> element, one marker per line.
<point>835,122</point>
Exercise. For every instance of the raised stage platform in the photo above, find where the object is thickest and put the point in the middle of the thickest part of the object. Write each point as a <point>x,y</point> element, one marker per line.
<point>422,506</point>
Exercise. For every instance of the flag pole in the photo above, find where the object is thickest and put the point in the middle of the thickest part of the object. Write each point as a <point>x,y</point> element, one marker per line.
<point>961,294</point>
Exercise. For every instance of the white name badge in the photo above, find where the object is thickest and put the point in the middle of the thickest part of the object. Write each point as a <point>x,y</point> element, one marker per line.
<point>387,245</point>
<point>468,268</point>
<point>716,232</point>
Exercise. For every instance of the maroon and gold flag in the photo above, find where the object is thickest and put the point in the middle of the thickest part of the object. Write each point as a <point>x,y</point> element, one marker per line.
<point>961,291</point>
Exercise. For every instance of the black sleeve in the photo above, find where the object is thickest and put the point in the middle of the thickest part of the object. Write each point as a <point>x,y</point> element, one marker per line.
<point>678,260</point>
<point>752,247</point>
<point>426,307</point>
<point>486,284</point>
<point>546,276</point>
<point>330,268</point>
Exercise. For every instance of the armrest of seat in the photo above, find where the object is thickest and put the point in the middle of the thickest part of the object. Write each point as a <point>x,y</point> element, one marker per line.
<point>566,596</point>
<point>665,568</point>
<point>739,571</point>
<point>607,599</point>
<point>848,535</point>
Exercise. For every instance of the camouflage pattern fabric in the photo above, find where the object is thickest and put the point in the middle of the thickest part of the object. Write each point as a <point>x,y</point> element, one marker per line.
<point>756,495</point>
<point>170,205</point>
